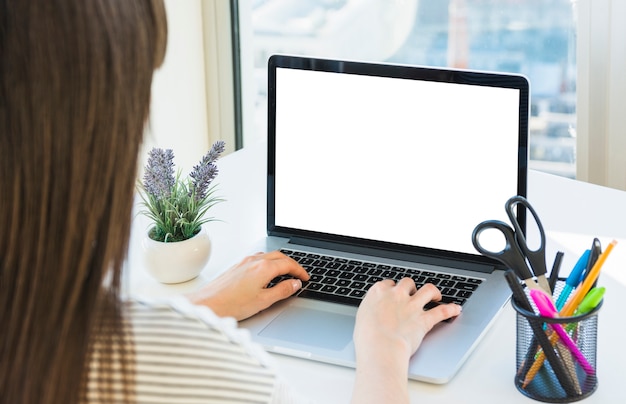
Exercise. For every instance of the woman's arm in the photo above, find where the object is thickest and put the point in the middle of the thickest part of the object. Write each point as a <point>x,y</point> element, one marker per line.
<point>241,291</point>
<point>391,323</point>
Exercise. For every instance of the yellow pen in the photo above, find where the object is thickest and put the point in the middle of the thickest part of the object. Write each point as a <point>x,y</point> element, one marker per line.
<point>570,308</point>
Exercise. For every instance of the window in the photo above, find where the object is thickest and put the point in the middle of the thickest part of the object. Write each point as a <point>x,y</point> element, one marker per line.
<point>536,38</point>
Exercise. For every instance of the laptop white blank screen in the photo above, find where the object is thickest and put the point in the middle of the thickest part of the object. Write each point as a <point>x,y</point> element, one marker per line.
<point>404,161</point>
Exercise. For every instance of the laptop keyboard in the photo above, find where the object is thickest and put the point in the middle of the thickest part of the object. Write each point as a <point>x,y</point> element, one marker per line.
<point>345,281</point>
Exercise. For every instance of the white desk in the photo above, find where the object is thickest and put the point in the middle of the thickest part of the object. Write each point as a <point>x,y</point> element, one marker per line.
<point>572,213</point>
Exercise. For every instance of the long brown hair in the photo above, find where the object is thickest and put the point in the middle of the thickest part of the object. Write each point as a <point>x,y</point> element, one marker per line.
<point>75,80</point>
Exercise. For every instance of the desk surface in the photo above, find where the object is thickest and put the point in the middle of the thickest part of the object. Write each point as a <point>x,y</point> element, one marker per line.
<point>572,213</point>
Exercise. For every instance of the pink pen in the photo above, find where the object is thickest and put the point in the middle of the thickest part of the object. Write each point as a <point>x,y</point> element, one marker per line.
<point>547,309</point>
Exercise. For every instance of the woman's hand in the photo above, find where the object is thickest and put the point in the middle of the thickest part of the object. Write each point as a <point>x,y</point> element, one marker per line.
<point>241,291</point>
<point>390,325</point>
<point>395,311</point>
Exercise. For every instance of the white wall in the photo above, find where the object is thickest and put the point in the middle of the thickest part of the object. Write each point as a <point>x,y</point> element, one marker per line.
<point>178,118</point>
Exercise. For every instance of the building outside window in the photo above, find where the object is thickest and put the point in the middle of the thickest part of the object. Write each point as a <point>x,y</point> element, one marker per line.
<point>536,38</point>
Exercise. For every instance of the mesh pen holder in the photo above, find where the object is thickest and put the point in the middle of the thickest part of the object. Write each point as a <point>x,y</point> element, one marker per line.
<point>555,375</point>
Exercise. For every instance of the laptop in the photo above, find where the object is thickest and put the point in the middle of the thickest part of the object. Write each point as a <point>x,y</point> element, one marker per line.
<point>382,171</point>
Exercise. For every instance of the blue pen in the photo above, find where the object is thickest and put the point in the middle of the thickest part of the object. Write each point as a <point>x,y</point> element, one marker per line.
<point>573,279</point>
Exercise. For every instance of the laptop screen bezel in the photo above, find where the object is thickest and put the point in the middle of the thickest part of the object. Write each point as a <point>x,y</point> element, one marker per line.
<point>458,76</point>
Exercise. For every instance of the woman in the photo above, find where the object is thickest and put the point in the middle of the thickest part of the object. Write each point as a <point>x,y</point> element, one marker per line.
<point>75,80</point>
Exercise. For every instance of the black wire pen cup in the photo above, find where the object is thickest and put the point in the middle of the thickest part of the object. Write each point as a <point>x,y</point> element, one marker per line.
<point>547,370</point>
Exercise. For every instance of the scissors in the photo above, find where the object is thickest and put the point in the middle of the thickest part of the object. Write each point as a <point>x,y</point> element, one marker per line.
<point>516,252</point>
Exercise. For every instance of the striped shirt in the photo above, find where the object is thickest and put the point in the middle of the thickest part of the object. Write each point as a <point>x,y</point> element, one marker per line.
<point>186,354</point>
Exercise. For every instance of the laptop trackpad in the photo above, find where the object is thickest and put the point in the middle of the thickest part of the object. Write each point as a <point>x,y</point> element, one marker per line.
<point>311,327</point>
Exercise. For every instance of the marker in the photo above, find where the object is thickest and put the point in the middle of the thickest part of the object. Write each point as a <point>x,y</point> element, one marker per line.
<point>546,308</point>
<point>590,302</point>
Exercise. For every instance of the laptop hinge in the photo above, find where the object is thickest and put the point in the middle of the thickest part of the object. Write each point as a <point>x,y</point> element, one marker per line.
<point>399,255</point>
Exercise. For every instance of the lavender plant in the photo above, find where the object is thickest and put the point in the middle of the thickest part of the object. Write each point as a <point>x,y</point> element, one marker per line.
<point>178,206</point>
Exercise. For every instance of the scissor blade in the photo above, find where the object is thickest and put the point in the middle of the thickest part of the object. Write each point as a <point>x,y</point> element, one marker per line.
<point>531,284</point>
<point>544,284</point>
<point>541,284</point>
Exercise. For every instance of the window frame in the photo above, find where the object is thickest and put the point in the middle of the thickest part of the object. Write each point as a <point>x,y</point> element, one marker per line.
<point>601,93</point>
<point>221,77</point>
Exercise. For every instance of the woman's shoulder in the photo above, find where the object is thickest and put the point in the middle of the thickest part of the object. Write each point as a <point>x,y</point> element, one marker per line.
<point>184,352</point>
<point>181,348</point>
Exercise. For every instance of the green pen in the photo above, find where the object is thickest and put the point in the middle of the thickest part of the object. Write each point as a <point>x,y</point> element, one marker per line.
<point>591,301</point>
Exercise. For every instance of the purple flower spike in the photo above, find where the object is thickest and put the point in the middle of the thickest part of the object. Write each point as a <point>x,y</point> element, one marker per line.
<point>213,154</point>
<point>158,179</point>
<point>204,173</point>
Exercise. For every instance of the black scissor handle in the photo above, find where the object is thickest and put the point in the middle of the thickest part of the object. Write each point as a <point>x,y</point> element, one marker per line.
<point>536,257</point>
<point>510,255</point>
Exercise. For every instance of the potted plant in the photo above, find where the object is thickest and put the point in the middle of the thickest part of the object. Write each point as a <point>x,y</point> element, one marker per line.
<point>176,248</point>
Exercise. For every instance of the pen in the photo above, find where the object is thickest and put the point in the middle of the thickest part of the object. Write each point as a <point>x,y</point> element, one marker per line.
<point>540,338</point>
<point>556,267</point>
<point>520,297</point>
<point>572,304</point>
<point>569,365</point>
<point>562,350</point>
<point>573,279</point>
<point>546,308</point>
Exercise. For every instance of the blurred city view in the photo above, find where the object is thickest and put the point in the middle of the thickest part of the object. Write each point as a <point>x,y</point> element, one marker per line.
<point>536,38</point>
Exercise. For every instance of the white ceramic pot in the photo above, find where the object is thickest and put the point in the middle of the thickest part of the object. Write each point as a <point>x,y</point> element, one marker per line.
<point>179,261</point>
